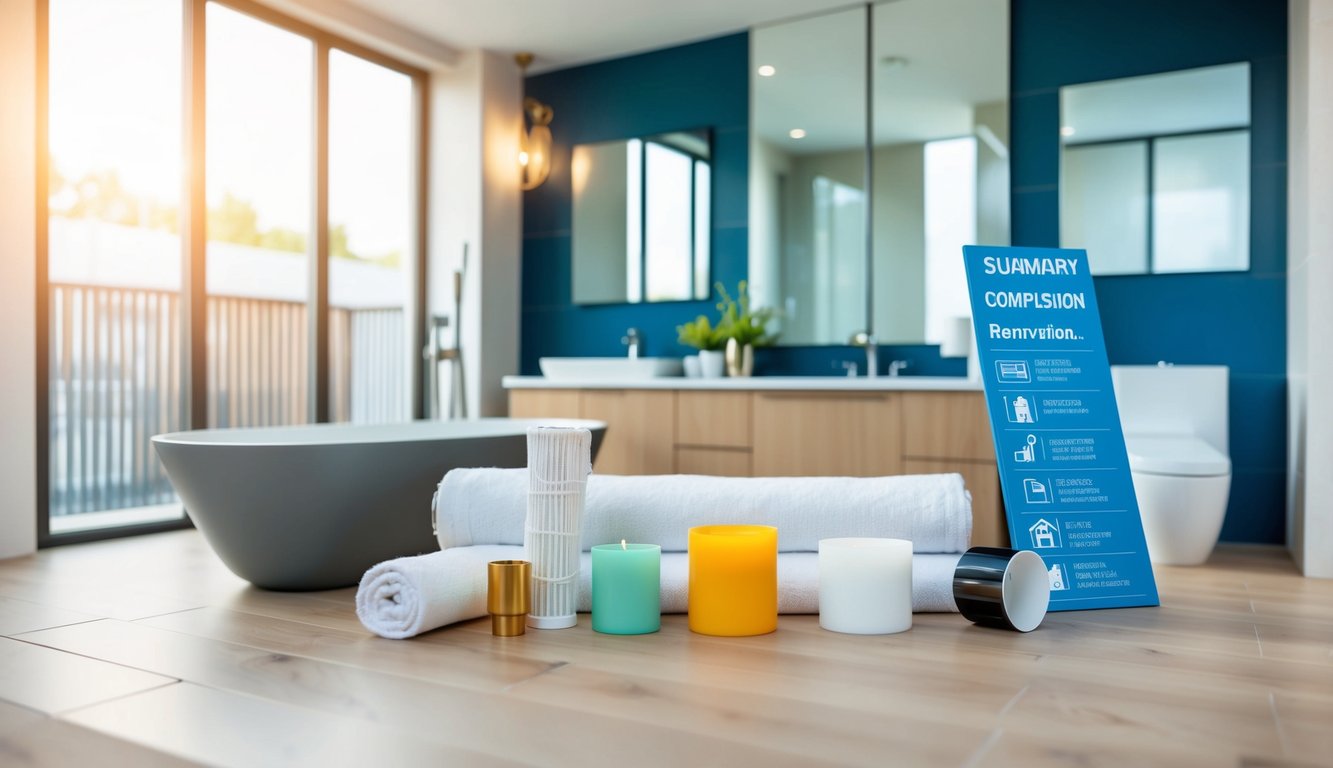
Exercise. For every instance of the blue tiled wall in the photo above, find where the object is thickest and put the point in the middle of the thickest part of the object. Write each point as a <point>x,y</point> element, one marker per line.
<point>702,85</point>
<point>1237,319</point>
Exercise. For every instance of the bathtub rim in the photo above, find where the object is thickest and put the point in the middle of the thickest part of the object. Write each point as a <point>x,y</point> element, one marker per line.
<point>317,435</point>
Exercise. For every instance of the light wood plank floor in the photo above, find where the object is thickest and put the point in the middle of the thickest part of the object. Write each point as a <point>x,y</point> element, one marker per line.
<point>148,651</point>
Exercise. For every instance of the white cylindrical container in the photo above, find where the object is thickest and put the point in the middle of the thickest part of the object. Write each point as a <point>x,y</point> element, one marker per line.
<point>865,585</point>
<point>559,461</point>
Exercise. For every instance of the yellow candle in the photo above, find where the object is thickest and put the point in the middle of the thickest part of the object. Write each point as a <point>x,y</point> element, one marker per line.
<point>733,580</point>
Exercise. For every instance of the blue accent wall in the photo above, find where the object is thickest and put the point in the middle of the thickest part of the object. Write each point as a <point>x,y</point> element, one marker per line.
<point>702,85</point>
<point>1237,318</point>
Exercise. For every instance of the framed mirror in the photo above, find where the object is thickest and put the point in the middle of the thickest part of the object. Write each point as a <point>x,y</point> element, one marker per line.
<point>808,191</point>
<point>642,215</point>
<point>1155,171</point>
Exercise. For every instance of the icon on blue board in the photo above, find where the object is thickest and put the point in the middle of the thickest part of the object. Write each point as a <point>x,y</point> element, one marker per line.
<point>1035,491</point>
<point>1019,410</point>
<point>1027,454</point>
<point>1012,372</point>
<point>1045,534</point>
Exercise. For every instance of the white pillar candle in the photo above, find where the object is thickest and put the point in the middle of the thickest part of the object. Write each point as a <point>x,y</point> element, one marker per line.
<point>865,585</point>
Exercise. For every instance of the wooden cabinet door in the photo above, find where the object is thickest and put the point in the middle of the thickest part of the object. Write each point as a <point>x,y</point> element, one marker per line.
<point>988,524</point>
<point>946,425</point>
<point>713,419</point>
<point>721,462</point>
<point>640,431</point>
<point>856,434</point>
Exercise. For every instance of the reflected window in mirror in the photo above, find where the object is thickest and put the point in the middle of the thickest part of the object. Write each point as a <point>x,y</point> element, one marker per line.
<point>1155,171</point>
<point>642,219</point>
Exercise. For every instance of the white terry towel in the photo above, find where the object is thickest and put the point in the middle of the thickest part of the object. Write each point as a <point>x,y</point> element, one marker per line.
<point>410,595</point>
<point>934,512</point>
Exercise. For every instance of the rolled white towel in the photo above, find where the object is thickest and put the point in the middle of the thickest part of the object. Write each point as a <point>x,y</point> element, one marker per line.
<point>410,595</point>
<point>934,512</point>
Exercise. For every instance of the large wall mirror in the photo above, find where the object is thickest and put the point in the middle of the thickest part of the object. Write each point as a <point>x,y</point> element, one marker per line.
<point>862,119</point>
<point>642,219</point>
<point>1155,171</point>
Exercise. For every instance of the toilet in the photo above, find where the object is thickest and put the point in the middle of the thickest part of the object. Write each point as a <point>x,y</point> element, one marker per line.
<point>1175,423</point>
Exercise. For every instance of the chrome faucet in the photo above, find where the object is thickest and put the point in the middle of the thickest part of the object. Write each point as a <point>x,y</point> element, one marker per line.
<point>867,340</point>
<point>632,339</point>
<point>896,366</point>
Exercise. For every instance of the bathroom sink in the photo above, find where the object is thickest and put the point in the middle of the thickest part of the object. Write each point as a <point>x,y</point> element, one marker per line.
<point>609,368</point>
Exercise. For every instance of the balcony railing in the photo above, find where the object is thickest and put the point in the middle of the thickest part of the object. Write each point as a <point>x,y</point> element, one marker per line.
<point>116,373</point>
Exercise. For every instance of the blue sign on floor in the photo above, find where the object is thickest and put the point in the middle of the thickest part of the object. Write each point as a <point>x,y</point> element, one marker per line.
<point>1064,472</point>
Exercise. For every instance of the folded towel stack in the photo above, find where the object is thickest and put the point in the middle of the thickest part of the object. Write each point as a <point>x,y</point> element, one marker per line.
<point>481,515</point>
<point>411,595</point>
<point>934,512</point>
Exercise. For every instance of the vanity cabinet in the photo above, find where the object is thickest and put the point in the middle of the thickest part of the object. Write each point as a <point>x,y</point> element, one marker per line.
<point>763,433</point>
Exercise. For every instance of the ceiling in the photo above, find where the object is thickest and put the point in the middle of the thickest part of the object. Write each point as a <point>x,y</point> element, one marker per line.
<point>566,32</point>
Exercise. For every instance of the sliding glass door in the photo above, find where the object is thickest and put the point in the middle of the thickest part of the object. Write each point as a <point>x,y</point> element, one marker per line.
<point>283,290</point>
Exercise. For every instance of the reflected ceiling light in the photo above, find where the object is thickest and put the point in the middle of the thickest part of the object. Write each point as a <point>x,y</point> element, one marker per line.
<point>767,70</point>
<point>1067,130</point>
<point>797,133</point>
<point>534,138</point>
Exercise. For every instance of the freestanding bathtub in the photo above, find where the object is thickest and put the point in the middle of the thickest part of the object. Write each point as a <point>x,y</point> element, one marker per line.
<point>313,507</point>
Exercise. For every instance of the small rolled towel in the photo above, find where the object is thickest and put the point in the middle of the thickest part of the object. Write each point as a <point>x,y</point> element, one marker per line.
<point>405,597</point>
<point>409,595</point>
<point>934,512</point>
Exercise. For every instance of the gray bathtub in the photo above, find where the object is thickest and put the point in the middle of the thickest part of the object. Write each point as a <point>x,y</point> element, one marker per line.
<point>313,507</point>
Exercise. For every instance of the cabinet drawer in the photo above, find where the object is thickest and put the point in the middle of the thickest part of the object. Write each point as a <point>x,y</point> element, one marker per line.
<point>854,434</point>
<point>717,419</point>
<point>947,425</point>
<point>988,524</point>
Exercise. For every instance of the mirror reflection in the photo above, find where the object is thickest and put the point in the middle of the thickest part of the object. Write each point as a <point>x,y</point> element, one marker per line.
<point>941,159</point>
<point>939,166</point>
<point>641,219</point>
<point>807,175</point>
<point>1155,171</point>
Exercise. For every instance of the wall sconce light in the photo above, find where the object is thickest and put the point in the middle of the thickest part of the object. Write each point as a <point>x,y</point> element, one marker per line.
<point>534,140</point>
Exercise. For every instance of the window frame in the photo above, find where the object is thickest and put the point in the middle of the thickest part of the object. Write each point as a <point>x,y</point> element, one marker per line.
<point>193,218</point>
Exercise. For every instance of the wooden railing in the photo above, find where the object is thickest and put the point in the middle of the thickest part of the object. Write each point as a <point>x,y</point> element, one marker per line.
<point>116,380</point>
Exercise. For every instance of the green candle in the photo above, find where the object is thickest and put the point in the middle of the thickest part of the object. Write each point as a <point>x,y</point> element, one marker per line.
<point>626,588</point>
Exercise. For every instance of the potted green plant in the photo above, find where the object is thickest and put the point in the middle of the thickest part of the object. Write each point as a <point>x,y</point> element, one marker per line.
<point>703,336</point>
<point>744,327</point>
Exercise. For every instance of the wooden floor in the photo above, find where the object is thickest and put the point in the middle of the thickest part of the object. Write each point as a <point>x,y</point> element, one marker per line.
<point>148,652</point>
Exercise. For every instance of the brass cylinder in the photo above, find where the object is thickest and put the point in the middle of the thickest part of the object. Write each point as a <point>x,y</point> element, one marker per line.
<point>508,596</point>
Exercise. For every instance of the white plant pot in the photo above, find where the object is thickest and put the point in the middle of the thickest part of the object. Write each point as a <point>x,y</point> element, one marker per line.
<point>691,363</point>
<point>712,363</point>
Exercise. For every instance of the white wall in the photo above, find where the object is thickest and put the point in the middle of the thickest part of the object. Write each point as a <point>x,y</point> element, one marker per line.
<point>18,436</point>
<point>475,199</point>
<point>1309,284</point>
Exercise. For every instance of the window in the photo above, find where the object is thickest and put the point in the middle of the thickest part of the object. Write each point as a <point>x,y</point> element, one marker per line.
<point>300,130</point>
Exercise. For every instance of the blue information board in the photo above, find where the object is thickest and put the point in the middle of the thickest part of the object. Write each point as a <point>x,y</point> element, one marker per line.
<point>1063,467</point>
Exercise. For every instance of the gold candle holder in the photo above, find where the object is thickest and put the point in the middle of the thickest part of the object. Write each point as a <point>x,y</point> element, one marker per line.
<point>508,596</point>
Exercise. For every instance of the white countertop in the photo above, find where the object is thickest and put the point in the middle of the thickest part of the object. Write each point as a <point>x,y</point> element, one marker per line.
<point>784,383</point>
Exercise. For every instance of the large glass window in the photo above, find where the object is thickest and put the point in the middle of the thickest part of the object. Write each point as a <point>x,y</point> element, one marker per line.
<point>120,215</point>
<point>113,259</point>
<point>370,239</point>
<point>259,131</point>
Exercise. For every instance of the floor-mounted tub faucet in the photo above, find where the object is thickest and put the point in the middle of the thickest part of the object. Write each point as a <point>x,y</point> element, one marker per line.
<point>632,339</point>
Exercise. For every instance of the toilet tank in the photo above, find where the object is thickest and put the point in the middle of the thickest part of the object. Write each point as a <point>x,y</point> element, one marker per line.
<point>1173,400</point>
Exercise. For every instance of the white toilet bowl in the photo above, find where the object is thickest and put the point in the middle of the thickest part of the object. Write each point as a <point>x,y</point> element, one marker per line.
<point>1182,484</point>
<point>1175,422</point>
